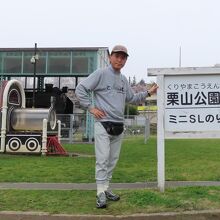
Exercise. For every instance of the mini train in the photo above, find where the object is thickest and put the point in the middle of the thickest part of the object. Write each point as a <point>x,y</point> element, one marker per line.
<point>27,130</point>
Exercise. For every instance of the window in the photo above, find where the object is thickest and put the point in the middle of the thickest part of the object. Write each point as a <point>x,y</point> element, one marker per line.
<point>58,62</point>
<point>80,65</point>
<point>12,65</point>
<point>29,67</point>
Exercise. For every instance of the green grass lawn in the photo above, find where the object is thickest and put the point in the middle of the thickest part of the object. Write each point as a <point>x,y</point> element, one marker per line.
<point>132,201</point>
<point>186,160</point>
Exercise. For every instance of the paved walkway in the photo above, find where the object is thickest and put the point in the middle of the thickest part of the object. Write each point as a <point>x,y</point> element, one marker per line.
<point>92,186</point>
<point>193,215</point>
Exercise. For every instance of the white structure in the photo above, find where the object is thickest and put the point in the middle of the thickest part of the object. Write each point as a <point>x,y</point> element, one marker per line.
<point>188,106</point>
<point>25,130</point>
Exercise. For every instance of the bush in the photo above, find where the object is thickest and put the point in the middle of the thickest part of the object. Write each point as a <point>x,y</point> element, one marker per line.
<point>131,109</point>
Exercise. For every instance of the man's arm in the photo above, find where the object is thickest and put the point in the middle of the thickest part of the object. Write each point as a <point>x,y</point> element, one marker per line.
<point>136,98</point>
<point>83,91</point>
<point>85,87</point>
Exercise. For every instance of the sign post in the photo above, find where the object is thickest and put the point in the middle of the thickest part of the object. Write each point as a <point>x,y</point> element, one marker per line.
<point>160,135</point>
<point>188,101</point>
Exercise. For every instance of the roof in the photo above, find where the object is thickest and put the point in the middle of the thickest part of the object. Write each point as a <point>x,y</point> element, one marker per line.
<point>183,71</point>
<point>54,49</point>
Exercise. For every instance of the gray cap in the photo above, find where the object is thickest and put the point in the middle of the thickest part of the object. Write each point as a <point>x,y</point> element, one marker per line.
<point>120,48</point>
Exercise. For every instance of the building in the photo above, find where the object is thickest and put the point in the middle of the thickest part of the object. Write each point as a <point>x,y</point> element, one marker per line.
<point>46,72</point>
<point>53,65</point>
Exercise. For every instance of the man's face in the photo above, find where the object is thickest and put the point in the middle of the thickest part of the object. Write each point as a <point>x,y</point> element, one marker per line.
<point>118,60</point>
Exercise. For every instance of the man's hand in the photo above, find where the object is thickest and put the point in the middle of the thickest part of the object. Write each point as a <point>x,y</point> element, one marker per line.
<point>153,89</point>
<point>99,114</point>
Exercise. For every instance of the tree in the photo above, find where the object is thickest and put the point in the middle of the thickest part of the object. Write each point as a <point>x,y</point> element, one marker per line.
<point>130,109</point>
<point>129,80</point>
<point>133,81</point>
<point>142,82</point>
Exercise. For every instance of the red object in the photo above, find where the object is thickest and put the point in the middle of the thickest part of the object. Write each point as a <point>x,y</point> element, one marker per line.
<point>54,147</point>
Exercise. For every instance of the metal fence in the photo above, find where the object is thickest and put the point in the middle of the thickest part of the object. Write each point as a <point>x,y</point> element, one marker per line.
<point>74,127</point>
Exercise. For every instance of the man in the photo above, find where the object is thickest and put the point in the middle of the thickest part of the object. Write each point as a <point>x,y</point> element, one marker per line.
<point>111,91</point>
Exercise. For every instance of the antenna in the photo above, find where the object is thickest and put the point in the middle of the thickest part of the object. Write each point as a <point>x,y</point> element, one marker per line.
<point>180,56</point>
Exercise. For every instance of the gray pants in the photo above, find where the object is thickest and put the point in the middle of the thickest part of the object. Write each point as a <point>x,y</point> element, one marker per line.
<point>107,150</point>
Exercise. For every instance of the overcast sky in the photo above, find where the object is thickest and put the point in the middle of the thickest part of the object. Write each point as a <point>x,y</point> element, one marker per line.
<point>152,30</point>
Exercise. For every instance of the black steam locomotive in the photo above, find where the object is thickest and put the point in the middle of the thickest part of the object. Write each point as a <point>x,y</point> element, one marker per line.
<point>63,104</point>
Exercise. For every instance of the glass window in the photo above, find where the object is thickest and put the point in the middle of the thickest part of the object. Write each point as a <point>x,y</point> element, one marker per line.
<point>30,82</point>
<point>59,62</point>
<point>52,80</point>
<point>84,62</point>
<point>80,65</point>
<point>41,65</point>
<point>92,65</point>
<point>1,64</point>
<point>68,81</point>
<point>29,67</point>
<point>12,65</point>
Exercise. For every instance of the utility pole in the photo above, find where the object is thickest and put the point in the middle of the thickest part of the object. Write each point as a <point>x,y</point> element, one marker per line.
<point>180,57</point>
<point>34,62</point>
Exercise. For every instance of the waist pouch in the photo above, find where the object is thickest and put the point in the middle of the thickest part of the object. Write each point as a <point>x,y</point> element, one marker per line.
<point>113,128</point>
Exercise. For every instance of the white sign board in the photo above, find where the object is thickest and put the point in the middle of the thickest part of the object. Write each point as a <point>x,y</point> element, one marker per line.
<point>192,103</point>
<point>188,101</point>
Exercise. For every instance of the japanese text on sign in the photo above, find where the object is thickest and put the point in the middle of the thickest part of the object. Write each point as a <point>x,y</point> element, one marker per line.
<point>192,103</point>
